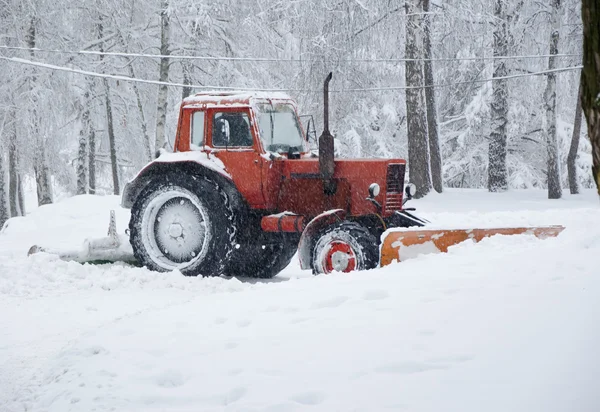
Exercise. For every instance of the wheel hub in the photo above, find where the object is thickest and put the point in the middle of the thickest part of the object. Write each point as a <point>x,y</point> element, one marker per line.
<point>339,258</point>
<point>339,261</point>
<point>179,230</point>
<point>175,230</point>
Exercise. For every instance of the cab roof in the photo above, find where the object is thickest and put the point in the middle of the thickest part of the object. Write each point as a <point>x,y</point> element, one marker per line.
<point>233,98</point>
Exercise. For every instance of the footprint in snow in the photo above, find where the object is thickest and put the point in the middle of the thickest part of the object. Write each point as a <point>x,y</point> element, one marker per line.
<point>270,372</point>
<point>233,395</point>
<point>279,407</point>
<point>309,398</point>
<point>452,359</point>
<point>231,345</point>
<point>406,368</point>
<point>158,353</point>
<point>375,294</point>
<point>95,350</point>
<point>170,379</point>
<point>242,323</point>
<point>330,303</point>
<point>234,372</point>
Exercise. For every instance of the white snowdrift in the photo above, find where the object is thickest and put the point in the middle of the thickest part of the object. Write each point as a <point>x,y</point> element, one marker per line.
<point>507,324</point>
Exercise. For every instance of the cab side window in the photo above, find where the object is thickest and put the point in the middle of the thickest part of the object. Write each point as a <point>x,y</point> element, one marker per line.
<point>197,132</point>
<point>231,129</point>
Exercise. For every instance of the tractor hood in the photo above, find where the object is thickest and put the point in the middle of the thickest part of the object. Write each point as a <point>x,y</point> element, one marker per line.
<point>303,185</point>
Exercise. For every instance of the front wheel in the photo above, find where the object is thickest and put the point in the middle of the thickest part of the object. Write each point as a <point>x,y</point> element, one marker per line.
<point>345,247</point>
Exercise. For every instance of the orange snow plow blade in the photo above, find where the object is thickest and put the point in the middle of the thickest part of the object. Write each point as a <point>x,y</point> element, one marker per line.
<point>403,245</point>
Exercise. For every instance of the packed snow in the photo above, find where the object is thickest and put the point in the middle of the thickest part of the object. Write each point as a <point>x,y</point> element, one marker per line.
<point>507,324</point>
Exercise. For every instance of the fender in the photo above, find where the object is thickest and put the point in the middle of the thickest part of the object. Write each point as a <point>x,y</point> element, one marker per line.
<point>314,226</point>
<point>180,163</point>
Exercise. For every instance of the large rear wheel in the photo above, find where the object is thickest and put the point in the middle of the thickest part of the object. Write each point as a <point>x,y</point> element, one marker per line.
<point>183,222</point>
<point>344,247</point>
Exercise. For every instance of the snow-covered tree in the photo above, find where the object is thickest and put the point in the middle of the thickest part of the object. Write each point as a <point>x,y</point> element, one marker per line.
<point>554,181</point>
<point>497,173</point>
<point>483,126</point>
<point>418,143</point>
<point>590,97</point>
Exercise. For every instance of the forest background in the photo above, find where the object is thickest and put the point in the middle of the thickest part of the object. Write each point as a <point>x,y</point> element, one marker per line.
<point>473,93</point>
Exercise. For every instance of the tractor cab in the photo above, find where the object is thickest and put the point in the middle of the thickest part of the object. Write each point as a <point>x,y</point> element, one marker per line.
<point>247,133</point>
<point>241,121</point>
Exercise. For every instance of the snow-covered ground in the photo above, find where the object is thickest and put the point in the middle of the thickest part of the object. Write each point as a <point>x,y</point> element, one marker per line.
<point>508,324</point>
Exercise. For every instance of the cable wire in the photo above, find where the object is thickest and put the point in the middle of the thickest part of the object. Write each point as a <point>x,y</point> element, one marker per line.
<point>250,89</point>
<point>275,60</point>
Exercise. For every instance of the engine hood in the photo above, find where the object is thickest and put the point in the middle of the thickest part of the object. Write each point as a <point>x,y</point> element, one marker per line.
<point>354,176</point>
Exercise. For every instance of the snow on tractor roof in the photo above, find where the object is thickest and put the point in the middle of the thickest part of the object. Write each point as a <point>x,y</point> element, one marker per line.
<point>232,98</point>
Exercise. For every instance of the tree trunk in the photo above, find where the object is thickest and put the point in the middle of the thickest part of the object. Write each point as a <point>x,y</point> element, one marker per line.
<point>497,175</point>
<point>112,146</point>
<point>140,106</point>
<point>136,91</point>
<point>418,144</point>
<point>13,186</point>
<point>21,195</point>
<point>161,109</point>
<point>432,129</point>
<point>111,139</point>
<point>82,154</point>
<point>40,162</point>
<point>82,163</point>
<point>590,84</point>
<point>42,177</point>
<point>571,167</point>
<point>553,162</point>
<point>4,212</point>
<point>15,191</point>
<point>92,161</point>
<point>186,67</point>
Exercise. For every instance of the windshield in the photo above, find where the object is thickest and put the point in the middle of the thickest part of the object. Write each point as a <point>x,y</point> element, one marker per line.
<point>279,128</point>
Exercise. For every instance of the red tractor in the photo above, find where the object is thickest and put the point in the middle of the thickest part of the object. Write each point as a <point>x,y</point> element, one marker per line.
<point>242,193</point>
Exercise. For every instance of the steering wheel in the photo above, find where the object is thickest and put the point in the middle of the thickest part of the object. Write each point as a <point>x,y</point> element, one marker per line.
<point>279,148</point>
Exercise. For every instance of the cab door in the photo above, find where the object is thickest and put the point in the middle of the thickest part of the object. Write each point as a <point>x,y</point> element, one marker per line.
<point>233,141</point>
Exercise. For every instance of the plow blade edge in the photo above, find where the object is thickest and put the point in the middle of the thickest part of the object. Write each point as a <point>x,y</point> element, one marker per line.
<point>400,245</point>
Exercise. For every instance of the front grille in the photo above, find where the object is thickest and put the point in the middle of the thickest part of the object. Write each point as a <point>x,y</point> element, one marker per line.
<point>394,187</point>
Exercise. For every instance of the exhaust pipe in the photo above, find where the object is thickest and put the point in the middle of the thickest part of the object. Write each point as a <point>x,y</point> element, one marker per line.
<point>326,152</point>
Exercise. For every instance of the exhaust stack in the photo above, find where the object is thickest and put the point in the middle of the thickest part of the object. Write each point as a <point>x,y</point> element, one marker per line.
<point>326,152</point>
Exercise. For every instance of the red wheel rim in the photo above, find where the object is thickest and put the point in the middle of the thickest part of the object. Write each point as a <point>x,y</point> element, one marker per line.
<point>339,257</point>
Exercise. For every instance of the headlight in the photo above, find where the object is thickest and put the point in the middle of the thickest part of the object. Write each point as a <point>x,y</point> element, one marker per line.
<point>374,190</point>
<point>410,190</point>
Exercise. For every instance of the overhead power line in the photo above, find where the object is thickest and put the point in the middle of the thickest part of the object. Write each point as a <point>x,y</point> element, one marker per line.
<point>248,89</point>
<point>275,60</point>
